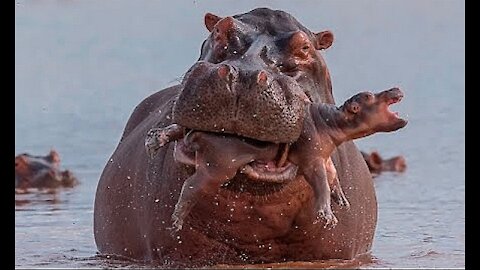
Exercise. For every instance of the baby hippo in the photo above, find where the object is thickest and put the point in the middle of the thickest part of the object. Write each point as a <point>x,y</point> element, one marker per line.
<point>218,157</point>
<point>41,172</point>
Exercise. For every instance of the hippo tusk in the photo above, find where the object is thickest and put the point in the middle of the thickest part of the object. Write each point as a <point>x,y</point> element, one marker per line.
<point>283,157</point>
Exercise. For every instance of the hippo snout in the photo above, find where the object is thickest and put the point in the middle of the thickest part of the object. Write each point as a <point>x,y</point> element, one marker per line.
<point>251,102</point>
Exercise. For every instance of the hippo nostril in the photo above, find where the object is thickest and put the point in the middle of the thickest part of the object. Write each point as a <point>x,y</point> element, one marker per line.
<point>224,71</point>
<point>262,78</point>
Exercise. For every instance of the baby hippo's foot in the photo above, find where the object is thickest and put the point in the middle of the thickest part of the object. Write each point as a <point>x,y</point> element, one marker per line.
<point>156,138</point>
<point>325,213</point>
<point>182,209</point>
<point>339,198</point>
<point>177,225</point>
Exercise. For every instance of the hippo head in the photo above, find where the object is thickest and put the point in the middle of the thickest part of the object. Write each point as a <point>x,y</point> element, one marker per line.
<point>368,113</point>
<point>254,75</point>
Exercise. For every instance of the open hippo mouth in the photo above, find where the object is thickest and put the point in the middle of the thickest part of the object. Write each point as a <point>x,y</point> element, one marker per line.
<point>278,170</point>
<point>263,169</point>
<point>390,97</point>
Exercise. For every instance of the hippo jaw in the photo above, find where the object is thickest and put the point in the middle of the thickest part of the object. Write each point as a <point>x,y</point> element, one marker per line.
<point>276,169</point>
<point>393,120</point>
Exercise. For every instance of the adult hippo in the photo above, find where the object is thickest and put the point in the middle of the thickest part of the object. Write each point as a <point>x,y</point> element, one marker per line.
<point>243,221</point>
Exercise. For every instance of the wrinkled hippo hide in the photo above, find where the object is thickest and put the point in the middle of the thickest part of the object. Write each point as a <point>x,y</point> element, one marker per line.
<point>244,221</point>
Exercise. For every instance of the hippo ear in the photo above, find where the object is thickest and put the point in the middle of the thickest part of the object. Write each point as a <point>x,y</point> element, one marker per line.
<point>211,20</point>
<point>54,156</point>
<point>353,107</point>
<point>323,40</point>
<point>376,158</point>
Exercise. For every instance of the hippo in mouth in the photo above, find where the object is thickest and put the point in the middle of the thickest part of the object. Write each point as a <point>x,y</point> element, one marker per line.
<point>326,127</point>
<point>263,65</point>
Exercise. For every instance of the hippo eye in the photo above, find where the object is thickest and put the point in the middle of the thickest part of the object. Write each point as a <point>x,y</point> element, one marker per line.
<point>368,97</point>
<point>305,48</point>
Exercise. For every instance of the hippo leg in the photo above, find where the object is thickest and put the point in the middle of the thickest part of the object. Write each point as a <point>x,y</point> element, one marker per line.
<point>158,137</point>
<point>336,189</point>
<point>316,176</point>
<point>202,181</point>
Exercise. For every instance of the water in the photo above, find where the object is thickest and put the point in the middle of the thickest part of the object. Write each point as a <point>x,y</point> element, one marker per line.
<point>82,66</point>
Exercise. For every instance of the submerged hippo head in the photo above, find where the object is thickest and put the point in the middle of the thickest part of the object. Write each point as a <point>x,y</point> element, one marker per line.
<point>253,76</point>
<point>41,172</point>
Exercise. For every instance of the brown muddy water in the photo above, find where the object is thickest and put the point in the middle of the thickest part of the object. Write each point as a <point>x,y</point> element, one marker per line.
<point>82,66</point>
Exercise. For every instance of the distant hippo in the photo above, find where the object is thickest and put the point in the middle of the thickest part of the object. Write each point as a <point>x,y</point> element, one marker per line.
<point>376,164</point>
<point>245,220</point>
<point>325,127</point>
<point>41,172</point>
